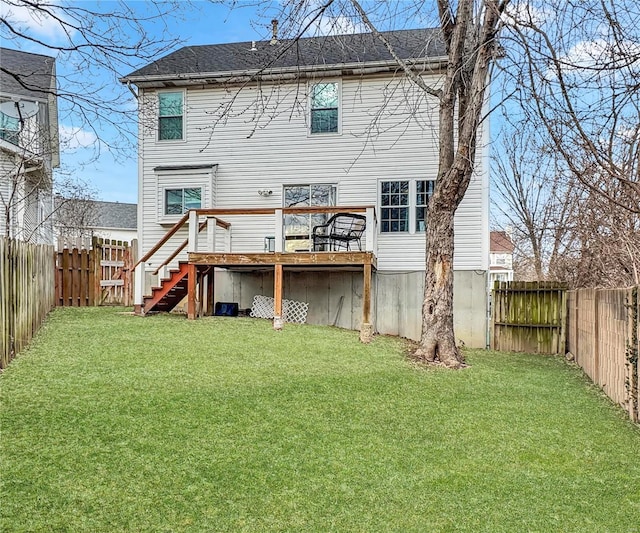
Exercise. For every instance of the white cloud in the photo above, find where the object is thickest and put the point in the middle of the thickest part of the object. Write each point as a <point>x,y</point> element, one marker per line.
<point>35,22</point>
<point>603,52</point>
<point>72,138</point>
<point>527,14</point>
<point>339,25</point>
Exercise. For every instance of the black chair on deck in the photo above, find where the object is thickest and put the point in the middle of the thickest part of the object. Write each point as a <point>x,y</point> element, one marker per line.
<point>339,232</point>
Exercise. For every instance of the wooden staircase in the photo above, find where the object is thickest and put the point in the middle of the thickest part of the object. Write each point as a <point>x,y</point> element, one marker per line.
<point>170,292</point>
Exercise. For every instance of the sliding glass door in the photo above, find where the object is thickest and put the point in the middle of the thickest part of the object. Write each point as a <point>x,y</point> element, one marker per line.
<point>298,228</point>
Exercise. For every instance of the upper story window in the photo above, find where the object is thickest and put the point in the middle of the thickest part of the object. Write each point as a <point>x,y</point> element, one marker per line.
<point>179,201</point>
<point>324,107</point>
<point>9,128</point>
<point>403,205</point>
<point>170,116</point>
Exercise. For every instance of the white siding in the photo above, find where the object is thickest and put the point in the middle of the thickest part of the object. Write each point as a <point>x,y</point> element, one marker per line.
<point>6,168</point>
<point>260,141</point>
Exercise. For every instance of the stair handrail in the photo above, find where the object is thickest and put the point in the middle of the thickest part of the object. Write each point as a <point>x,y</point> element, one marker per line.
<point>162,241</point>
<point>202,225</point>
<point>211,212</point>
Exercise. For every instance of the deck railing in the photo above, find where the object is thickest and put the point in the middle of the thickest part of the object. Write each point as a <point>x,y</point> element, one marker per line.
<point>211,220</point>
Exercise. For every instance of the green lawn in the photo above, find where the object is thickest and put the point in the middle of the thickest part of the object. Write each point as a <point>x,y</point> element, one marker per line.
<point>116,423</point>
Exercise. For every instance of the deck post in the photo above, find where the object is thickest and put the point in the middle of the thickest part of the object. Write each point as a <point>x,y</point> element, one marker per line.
<point>210,291</point>
<point>279,237</point>
<point>370,230</point>
<point>138,296</point>
<point>191,292</point>
<point>277,297</point>
<point>366,329</point>
<point>200,292</point>
<point>192,246</point>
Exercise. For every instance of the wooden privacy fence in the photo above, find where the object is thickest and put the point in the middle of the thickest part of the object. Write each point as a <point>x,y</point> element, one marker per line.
<point>528,317</point>
<point>602,338</point>
<point>102,275</point>
<point>26,293</point>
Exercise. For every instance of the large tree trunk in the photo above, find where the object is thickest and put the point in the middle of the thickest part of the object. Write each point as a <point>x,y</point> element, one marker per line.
<point>438,342</point>
<point>470,48</point>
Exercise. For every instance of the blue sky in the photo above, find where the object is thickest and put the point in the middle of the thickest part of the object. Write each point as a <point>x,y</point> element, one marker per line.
<point>85,156</point>
<point>116,179</point>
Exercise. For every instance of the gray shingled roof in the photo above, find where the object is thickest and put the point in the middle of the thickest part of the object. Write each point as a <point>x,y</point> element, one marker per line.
<point>322,52</point>
<point>113,215</point>
<point>116,215</point>
<point>34,71</point>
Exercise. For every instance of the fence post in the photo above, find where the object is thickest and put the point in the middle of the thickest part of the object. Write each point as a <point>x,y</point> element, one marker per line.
<point>631,352</point>
<point>576,355</point>
<point>96,253</point>
<point>563,321</point>
<point>94,275</point>
<point>596,337</point>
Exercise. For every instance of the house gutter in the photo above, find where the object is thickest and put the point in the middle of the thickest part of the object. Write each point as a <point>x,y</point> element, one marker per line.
<point>283,73</point>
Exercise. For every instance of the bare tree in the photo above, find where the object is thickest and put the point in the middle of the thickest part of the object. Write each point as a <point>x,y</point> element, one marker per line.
<point>536,198</point>
<point>93,45</point>
<point>469,31</point>
<point>574,69</point>
<point>572,189</point>
<point>96,43</point>
<point>563,229</point>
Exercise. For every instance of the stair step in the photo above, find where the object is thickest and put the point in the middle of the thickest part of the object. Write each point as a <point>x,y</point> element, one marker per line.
<point>170,291</point>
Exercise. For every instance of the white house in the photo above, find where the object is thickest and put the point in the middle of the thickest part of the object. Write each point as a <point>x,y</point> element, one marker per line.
<point>77,221</point>
<point>500,257</point>
<point>29,148</point>
<point>272,139</point>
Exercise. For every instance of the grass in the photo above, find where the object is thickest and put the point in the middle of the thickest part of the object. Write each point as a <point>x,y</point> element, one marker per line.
<point>114,423</point>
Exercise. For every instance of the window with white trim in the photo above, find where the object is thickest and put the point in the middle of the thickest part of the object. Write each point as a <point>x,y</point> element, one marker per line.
<point>170,116</point>
<point>324,108</point>
<point>403,205</point>
<point>179,201</point>
<point>9,128</point>
<point>394,206</point>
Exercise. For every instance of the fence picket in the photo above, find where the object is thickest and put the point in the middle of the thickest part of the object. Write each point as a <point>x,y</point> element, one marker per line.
<point>101,275</point>
<point>528,317</point>
<point>27,293</point>
<point>602,333</point>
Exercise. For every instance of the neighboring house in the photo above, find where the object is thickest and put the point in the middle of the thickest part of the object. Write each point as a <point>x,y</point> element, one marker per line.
<point>308,125</point>
<point>500,257</point>
<point>78,221</point>
<point>29,147</point>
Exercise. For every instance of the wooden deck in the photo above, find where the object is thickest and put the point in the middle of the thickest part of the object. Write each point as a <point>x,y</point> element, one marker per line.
<point>293,260</point>
<point>365,261</point>
<point>200,265</point>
